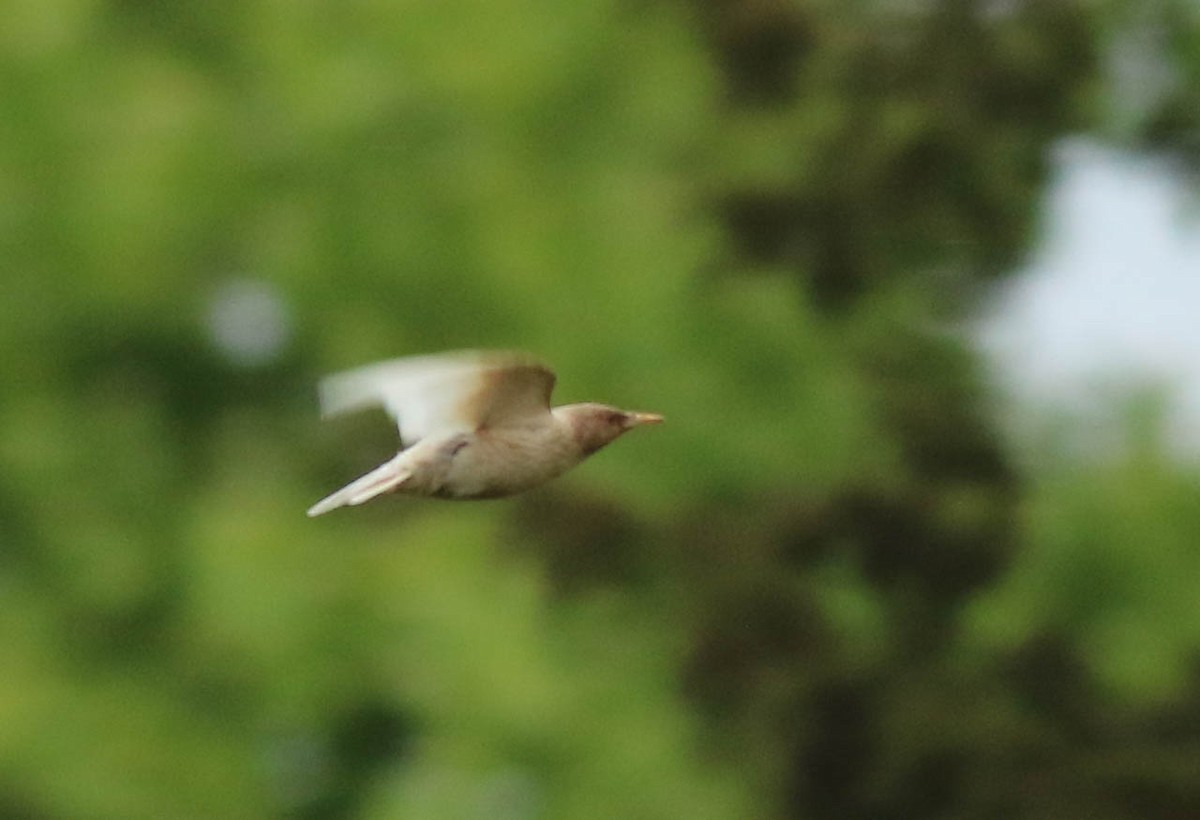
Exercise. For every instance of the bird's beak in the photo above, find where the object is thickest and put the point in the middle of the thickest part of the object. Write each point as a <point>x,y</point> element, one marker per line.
<point>637,419</point>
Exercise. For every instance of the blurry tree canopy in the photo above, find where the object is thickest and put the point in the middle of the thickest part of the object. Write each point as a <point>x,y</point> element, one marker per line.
<point>825,589</point>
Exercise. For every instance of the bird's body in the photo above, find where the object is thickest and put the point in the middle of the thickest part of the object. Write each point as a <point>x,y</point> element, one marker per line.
<point>472,425</point>
<point>487,464</point>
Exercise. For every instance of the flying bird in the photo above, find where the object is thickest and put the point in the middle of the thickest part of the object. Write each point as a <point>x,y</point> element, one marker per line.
<point>472,425</point>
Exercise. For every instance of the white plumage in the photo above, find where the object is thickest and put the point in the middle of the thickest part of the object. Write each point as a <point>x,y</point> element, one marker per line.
<point>472,425</point>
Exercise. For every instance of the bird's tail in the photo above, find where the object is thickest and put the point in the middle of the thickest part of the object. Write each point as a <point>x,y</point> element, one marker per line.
<point>382,479</point>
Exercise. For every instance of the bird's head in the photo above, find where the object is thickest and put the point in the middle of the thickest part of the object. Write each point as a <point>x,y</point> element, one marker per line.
<point>595,425</point>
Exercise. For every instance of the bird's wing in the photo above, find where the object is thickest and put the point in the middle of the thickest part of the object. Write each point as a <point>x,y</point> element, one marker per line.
<point>445,393</point>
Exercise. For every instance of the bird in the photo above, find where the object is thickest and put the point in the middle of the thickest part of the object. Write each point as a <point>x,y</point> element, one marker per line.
<point>473,425</point>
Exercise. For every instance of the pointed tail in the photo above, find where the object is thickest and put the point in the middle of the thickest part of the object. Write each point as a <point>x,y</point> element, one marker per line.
<point>382,479</point>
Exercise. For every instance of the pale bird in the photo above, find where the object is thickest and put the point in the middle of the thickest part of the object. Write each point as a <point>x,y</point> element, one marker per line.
<point>472,425</point>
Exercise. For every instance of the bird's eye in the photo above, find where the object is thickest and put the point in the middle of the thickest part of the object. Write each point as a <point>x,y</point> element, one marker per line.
<point>616,418</point>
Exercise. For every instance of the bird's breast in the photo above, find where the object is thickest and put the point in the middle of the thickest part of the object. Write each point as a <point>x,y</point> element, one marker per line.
<point>497,463</point>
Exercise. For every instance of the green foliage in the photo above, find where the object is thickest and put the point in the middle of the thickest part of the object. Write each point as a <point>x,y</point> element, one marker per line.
<point>821,590</point>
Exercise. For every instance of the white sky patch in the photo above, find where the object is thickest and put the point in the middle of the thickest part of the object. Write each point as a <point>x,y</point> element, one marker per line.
<point>1111,300</point>
<point>249,322</point>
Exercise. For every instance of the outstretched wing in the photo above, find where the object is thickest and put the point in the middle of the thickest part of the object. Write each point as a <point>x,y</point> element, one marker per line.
<point>445,393</point>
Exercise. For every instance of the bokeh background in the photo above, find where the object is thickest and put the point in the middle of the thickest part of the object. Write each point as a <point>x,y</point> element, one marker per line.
<point>839,583</point>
